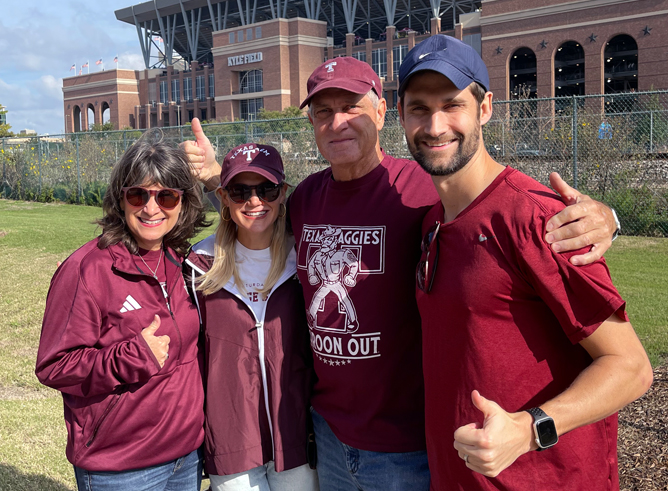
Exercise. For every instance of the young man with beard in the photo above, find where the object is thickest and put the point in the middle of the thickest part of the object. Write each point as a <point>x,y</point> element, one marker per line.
<point>522,351</point>
<point>357,229</point>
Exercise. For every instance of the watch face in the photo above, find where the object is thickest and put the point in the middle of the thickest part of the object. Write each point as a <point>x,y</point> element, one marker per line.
<point>547,433</point>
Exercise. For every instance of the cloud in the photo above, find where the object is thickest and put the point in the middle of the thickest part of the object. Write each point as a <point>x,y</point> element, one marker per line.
<point>131,61</point>
<point>39,42</point>
<point>36,104</point>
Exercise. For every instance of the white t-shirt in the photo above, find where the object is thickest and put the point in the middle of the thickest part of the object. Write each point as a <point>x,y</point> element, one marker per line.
<point>253,267</point>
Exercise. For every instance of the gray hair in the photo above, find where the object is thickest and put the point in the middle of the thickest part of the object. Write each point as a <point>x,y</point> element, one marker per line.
<point>151,160</point>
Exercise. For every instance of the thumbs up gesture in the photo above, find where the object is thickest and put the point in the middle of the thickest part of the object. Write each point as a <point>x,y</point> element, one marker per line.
<point>201,154</point>
<point>493,446</point>
<point>159,344</point>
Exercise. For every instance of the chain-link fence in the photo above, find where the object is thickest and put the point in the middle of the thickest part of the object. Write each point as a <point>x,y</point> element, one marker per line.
<point>613,147</point>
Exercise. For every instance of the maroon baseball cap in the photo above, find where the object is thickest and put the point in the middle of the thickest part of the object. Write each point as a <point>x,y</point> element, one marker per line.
<point>251,157</point>
<point>343,73</point>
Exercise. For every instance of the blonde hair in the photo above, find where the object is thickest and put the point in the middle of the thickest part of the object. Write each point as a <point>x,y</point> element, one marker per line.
<point>224,262</point>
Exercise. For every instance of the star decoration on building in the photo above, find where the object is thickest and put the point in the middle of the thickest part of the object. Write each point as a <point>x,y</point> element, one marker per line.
<point>543,44</point>
<point>646,31</point>
<point>592,38</point>
<point>499,49</point>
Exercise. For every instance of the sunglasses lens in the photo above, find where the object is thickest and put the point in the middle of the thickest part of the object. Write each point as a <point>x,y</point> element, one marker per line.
<point>239,193</point>
<point>269,191</point>
<point>420,274</point>
<point>168,199</point>
<point>136,197</point>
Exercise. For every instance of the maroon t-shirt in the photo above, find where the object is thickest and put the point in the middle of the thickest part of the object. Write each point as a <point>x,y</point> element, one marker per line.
<point>505,316</point>
<point>358,243</point>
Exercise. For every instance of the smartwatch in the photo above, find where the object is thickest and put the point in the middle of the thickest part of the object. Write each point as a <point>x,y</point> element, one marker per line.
<point>544,428</point>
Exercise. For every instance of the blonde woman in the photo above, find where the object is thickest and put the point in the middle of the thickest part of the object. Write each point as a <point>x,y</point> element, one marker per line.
<point>258,371</point>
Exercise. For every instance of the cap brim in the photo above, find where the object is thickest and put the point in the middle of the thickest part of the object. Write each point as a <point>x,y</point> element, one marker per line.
<point>257,170</point>
<point>354,86</point>
<point>460,80</point>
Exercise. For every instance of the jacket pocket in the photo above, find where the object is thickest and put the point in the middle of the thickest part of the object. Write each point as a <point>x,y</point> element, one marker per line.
<point>105,414</point>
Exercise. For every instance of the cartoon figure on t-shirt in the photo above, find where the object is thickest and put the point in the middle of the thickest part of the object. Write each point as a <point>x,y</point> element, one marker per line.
<point>335,269</point>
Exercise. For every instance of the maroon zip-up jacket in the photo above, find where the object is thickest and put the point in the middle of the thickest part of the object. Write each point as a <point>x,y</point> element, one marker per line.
<point>122,410</point>
<point>238,435</point>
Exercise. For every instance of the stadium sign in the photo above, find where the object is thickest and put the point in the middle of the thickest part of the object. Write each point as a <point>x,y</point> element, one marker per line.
<point>243,59</point>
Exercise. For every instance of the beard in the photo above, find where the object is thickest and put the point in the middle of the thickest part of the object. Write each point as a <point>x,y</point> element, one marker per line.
<point>467,147</point>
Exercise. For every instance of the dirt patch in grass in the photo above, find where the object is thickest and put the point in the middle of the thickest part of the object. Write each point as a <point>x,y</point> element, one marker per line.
<point>25,393</point>
<point>643,438</point>
<point>2,233</point>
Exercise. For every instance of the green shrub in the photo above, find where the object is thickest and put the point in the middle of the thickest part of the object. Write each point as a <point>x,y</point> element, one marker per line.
<point>641,211</point>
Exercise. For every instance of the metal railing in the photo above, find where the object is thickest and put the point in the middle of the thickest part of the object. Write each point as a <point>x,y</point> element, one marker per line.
<point>613,147</point>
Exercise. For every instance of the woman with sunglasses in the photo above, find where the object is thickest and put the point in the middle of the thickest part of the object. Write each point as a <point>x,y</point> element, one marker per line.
<point>120,332</point>
<point>257,357</point>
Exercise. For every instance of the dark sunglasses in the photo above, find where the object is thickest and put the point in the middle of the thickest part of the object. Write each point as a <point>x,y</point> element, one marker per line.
<point>426,269</point>
<point>138,196</point>
<point>266,191</point>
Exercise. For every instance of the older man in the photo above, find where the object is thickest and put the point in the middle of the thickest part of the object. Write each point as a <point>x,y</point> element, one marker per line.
<point>357,228</point>
<point>504,318</point>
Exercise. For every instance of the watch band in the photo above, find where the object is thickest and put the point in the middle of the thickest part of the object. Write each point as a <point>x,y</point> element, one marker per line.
<point>537,413</point>
<point>615,234</point>
<point>545,430</point>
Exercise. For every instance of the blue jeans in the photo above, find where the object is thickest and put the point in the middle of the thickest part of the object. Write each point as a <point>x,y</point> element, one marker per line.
<point>345,468</point>
<point>182,474</point>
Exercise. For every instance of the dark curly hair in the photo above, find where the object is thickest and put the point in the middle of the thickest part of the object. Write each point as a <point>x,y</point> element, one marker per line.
<point>151,160</point>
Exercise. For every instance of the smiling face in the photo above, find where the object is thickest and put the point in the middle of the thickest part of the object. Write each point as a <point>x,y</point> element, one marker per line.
<point>148,224</point>
<point>442,123</point>
<point>346,127</point>
<point>254,218</point>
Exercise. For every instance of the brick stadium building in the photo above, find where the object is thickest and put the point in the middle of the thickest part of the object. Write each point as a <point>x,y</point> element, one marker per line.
<point>218,60</point>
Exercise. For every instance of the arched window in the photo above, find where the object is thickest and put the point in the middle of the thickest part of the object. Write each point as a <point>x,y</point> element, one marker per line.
<point>76,118</point>
<point>621,64</point>
<point>522,74</point>
<point>106,112</point>
<point>569,70</point>
<point>90,112</point>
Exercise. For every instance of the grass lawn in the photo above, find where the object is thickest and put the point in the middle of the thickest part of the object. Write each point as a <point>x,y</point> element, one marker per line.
<point>34,236</point>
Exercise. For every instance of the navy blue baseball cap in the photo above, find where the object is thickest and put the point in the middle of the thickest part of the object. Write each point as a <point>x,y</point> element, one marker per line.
<point>448,56</point>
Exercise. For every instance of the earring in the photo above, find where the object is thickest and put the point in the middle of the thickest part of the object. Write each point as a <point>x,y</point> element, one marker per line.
<point>282,210</point>
<point>229,214</point>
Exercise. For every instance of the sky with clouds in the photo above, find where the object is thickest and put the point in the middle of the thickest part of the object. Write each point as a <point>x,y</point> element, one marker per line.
<point>41,39</point>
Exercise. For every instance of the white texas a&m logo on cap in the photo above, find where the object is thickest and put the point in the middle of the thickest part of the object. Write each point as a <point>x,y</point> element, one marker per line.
<point>249,151</point>
<point>330,66</point>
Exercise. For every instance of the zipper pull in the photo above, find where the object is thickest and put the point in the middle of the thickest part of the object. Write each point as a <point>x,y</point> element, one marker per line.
<point>257,326</point>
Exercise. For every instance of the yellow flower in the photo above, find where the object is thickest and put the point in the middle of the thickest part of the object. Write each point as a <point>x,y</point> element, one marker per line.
<point>68,166</point>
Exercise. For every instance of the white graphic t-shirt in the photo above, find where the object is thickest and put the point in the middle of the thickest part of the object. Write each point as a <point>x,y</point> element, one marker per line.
<point>253,266</point>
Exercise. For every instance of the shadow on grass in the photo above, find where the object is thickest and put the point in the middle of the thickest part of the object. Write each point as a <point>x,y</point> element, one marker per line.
<point>12,479</point>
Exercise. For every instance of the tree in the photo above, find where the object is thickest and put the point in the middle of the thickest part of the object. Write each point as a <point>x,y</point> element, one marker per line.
<point>108,126</point>
<point>4,127</point>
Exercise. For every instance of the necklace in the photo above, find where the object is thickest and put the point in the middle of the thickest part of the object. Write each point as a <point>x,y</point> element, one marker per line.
<point>153,273</point>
